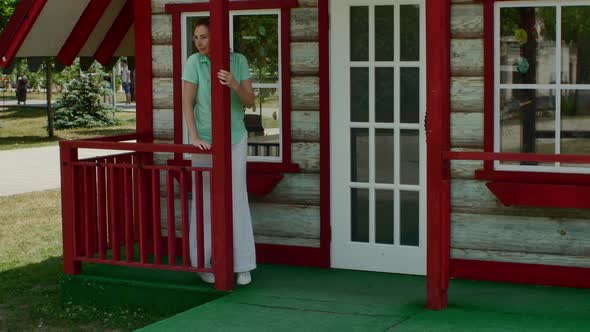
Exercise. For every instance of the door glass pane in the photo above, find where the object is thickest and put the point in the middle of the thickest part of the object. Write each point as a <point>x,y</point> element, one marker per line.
<point>410,218</point>
<point>359,33</point>
<point>384,148</point>
<point>575,41</point>
<point>384,33</point>
<point>527,122</point>
<point>384,91</point>
<point>359,215</point>
<point>409,33</point>
<point>359,94</point>
<point>527,45</point>
<point>359,155</point>
<point>410,95</point>
<point>575,123</point>
<point>409,157</point>
<point>384,216</point>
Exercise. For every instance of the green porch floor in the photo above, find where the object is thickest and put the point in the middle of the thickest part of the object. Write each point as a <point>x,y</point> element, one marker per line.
<point>285,298</point>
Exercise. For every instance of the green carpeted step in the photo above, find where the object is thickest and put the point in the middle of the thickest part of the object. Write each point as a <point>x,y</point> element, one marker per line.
<point>161,292</point>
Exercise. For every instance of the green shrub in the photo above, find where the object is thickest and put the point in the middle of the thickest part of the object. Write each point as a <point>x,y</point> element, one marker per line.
<point>80,106</point>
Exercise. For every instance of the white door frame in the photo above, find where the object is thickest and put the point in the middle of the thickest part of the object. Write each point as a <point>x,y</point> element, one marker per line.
<point>357,255</point>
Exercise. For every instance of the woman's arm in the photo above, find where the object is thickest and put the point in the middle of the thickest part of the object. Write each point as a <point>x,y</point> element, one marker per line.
<point>189,91</point>
<point>243,89</point>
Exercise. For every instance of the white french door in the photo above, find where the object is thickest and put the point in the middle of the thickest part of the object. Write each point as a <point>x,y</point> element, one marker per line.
<point>378,146</point>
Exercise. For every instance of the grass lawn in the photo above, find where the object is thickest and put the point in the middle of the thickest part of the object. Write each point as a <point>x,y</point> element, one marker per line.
<point>25,127</point>
<point>30,268</point>
<point>42,96</point>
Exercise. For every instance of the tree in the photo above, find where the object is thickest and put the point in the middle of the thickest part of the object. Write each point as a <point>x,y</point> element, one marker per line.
<point>6,10</point>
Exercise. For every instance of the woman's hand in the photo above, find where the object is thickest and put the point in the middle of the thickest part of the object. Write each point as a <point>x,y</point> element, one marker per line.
<point>201,144</point>
<point>227,78</point>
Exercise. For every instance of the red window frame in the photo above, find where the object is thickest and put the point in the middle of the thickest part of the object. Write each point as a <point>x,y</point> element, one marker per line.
<point>255,168</point>
<point>488,172</point>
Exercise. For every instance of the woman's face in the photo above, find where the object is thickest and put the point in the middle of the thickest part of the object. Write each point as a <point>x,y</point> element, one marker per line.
<point>201,39</point>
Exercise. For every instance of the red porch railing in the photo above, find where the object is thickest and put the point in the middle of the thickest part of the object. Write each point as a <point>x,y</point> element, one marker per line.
<point>112,206</point>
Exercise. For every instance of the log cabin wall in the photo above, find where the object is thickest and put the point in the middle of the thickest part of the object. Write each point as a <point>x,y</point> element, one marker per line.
<point>481,227</point>
<point>290,215</point>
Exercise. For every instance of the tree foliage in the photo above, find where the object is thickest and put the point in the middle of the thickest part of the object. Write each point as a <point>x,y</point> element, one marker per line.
<point>81,107</point>
<point>6,10</point>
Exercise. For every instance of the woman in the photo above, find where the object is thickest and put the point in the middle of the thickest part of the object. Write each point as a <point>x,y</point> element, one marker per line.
<point>22,83</point>
<point>196,107</point>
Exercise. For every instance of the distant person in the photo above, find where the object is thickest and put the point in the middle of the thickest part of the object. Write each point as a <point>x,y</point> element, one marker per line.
<point>22,84</point>
<point>108,89</point>
<point>126,80</point>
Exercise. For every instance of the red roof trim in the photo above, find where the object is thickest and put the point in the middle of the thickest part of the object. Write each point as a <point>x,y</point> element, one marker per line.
<point>19,26</point>
<point>233,5</point>
<point>82,30</point>
<point>115,35</point>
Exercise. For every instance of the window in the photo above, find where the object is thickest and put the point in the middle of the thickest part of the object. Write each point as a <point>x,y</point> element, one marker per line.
<point>256,35</point>
<point>542,82</point>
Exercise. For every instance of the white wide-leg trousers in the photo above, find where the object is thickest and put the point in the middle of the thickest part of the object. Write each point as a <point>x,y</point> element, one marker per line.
<point>244,251</point>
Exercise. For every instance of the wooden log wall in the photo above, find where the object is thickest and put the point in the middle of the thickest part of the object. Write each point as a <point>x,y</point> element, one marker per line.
<point>481,227</point>
<point>290,214</point>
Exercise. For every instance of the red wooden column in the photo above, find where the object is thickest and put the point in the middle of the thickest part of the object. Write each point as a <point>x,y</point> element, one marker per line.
<point>437,141</point>
<point>221,183</point>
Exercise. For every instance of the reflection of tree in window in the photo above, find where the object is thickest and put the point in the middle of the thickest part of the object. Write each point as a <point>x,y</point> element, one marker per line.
<point>256,37</point>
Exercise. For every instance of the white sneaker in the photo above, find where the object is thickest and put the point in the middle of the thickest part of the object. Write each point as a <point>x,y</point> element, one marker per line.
<point>244,278</point>
<point>207,277</point>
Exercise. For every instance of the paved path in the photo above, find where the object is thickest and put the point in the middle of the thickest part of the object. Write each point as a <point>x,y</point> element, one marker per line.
<point>34,169</point>
<point>26,170</point>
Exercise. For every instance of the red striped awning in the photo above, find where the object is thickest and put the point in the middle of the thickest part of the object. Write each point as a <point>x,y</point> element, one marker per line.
<point>67,29</point>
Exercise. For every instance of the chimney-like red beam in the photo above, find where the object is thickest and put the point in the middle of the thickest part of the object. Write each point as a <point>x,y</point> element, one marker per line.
<point>221,183</point>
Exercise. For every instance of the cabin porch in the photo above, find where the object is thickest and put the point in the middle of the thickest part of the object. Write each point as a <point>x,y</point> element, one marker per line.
<point>285,298</point>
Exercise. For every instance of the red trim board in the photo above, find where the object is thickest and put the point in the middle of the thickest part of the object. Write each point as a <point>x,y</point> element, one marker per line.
<point>324,54</point>
<point>115,35</point>
<point>172,8</point>
<point>20,25</point>
<point>541,195</point>
<point>143,69</point>
<point>291,255</point>
<point>546,275</point>
<point>82,30</point>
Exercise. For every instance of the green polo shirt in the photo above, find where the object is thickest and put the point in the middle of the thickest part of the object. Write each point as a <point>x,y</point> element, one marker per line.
<point>197,70</point>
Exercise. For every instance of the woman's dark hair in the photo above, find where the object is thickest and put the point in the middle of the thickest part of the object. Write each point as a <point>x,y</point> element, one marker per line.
<point>203,21</point>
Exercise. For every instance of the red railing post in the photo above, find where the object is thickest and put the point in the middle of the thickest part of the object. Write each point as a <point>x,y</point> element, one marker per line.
<point>221,184</point>
<point>68,155</point>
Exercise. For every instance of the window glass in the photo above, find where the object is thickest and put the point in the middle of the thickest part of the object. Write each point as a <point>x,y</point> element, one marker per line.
<point>575,123</point>
<point>575,41</point>
<point>527,121</point>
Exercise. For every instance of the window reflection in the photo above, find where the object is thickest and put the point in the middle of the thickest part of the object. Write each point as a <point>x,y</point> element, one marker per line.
<point>263,124</point>
<point>527,122</point>
<point>527,45</point>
